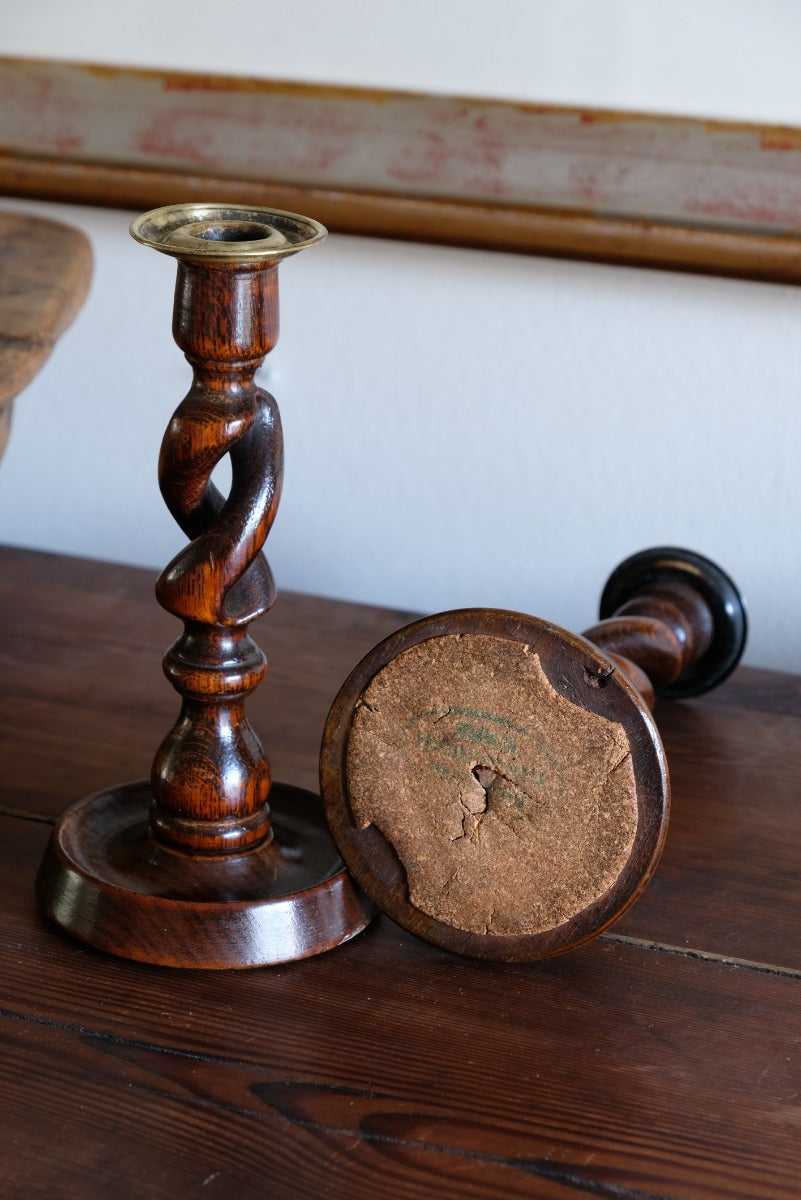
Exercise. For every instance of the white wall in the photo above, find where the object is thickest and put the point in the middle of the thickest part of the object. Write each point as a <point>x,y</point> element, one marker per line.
<point>725,58</point>
<point>462,427</point>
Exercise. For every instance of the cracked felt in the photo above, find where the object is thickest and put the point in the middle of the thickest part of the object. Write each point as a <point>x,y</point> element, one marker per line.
<point>510,808</point>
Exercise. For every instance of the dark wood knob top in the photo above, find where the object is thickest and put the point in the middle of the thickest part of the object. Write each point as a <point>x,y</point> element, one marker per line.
<point>677,617</point>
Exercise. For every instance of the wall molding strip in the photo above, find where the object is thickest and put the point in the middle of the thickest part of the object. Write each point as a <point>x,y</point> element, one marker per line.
<point>657,191</point>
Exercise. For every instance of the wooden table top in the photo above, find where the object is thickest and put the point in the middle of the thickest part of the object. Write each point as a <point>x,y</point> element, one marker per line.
<point>661,1060</point>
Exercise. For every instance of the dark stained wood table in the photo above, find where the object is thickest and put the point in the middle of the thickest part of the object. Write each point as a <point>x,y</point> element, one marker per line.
<point>662,1060</point>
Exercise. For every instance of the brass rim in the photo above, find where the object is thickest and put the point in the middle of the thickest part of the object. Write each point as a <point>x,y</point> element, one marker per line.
<point>226,233</point>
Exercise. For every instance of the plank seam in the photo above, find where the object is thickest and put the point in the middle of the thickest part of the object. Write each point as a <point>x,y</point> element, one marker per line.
<point>703,955</point>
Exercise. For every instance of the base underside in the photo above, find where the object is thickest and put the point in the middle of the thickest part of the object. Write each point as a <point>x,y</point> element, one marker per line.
<point>494,784</point>
<point>105,880</point>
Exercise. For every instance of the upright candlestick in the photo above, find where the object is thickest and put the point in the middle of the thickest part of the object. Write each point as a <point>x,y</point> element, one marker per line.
<point>195,868</point>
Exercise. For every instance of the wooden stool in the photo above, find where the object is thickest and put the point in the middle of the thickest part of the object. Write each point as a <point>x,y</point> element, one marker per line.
<point>194,868</point>
<point>497,785</point>
<point>45,269</point>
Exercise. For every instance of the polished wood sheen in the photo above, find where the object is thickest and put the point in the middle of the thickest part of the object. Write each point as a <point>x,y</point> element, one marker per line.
<point>673,621</point>
<point>192,868</point>
<point>660,1060</point>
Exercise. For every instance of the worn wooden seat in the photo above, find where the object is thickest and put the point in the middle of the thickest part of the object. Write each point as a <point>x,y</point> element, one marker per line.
<point>45,269</point>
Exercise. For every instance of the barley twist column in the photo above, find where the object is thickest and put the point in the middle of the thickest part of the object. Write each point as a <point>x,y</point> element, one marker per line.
<point>197,867</point>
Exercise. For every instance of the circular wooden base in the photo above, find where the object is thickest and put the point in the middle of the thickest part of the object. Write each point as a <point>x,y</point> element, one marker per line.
<point>494,784</point>
<point>105,880</point>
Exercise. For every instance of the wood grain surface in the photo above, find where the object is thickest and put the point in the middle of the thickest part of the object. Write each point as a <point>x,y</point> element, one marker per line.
<point>45,268</point>
<point>661,1060</point>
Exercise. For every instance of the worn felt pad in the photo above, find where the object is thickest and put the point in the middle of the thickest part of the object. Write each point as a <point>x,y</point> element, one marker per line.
<point>509,807</point>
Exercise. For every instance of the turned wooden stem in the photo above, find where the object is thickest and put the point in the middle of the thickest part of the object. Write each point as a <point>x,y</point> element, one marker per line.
<point>656,635</point>
<point>192,868</point>
<point>225,321</point>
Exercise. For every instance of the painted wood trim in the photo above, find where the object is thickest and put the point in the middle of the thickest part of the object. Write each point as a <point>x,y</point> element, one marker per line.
<point>626,188</point>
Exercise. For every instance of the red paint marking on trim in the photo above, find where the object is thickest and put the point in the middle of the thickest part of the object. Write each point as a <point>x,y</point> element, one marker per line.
<point>743,211</point>
<point>775,139</point>
<point>66,143</point>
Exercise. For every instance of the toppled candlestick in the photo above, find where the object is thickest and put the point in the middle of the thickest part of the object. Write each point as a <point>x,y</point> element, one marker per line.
<point>496,784</point>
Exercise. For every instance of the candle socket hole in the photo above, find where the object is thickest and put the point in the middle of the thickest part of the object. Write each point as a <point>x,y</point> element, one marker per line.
<point>233,231</point>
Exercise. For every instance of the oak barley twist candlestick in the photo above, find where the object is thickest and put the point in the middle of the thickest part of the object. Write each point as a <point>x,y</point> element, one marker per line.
<point>195,867</point>
<point>496,784</point>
